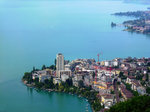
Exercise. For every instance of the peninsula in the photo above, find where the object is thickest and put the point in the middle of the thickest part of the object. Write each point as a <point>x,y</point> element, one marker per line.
<point>104,84</point>
<point>140,25</point>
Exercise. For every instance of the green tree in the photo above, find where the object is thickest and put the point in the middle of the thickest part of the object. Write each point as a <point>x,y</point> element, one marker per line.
<point>69,82</point>
<point>81,83</point>
<point>136,104</point>
<point>55,61</point>
<point>148,90</point>
<point>33,69</point>
<point>43,67</point>
<point>53,67</point>
<point>28,77</point>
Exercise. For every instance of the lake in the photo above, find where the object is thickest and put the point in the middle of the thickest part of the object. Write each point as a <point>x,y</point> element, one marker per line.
<point>32,32</point>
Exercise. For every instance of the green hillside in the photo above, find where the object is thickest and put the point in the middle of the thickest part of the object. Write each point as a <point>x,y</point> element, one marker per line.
<point>136,104</point>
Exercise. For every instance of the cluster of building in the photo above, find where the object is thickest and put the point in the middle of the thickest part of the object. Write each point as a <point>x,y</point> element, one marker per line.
<point>142,24</point>
<point>142,29</point>
<point>109,78</point>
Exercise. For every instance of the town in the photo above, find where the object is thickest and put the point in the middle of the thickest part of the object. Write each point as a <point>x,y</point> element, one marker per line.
<point>140,25</point>
<point>113,81</point>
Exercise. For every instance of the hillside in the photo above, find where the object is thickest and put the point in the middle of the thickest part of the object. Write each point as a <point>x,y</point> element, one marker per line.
<point>136,104</point>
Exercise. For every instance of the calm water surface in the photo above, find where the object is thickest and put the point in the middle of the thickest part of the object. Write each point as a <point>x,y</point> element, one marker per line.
<point>32,32</point>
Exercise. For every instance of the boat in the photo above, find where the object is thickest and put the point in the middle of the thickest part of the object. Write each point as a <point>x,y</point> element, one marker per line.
<point>87,110</point>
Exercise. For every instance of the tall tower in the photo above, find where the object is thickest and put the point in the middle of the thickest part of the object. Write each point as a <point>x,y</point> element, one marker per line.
<point>59,63</point>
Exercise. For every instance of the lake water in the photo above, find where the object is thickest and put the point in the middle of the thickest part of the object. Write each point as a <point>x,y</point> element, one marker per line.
<point>32,32</point>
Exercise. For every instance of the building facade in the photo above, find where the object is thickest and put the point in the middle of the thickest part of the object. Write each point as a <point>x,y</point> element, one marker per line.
<point>59,63</point>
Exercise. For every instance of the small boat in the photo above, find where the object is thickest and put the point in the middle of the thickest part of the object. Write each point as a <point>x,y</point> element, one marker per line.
<point>87,110</point>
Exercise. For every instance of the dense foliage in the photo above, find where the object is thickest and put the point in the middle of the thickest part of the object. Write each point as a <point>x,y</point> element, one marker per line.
<point>128,87</point>
<point>148,90</point>
<point>136,104</point>
<point>66,87</point>
<point>27,77</point>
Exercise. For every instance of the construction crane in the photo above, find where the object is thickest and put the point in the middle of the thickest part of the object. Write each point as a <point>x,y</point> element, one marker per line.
<point>98,58</point>
<point>96,76</point>
<point>98,55</point>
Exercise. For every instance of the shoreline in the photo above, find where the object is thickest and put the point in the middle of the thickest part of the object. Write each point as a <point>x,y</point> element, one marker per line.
<point>126,29</point>
<point>141,23</point>
<point>52,90</point>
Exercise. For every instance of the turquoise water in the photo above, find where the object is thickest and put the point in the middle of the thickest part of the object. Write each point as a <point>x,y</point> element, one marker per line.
<point>32,32</point>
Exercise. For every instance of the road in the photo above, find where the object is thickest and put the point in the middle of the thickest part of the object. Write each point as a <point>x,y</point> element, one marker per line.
<point>116,90</point>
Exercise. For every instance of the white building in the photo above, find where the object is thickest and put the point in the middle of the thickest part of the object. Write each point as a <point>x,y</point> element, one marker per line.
<point>64,77</point>
<point>59,63</point>
<point>130,79</point>
<point>115,63</point>
<point>67,67</point>
<point>107,63</point>
<point>107,100</point>
<point>78,77</point>
<point>42,78</point>
<point>61,72</point>
<point>42,75</point>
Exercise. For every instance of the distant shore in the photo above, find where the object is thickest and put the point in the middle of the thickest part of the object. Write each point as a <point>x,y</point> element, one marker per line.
<point>139,25</point>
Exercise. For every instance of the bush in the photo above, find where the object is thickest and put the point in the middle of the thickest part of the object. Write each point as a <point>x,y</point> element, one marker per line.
<point>136,104</point>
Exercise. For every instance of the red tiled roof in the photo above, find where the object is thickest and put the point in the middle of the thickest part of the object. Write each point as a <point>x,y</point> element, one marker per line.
<point>136,83</point>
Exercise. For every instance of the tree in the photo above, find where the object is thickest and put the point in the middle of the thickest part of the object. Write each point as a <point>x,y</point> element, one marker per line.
<point>112,92</point>
<point>147,77</point>
<point>43,67</point>
<point>51,84</point>
<point>135,104</point>
<point>69,82</point>
<point>139,77</point>
<point>128,86</point>
<point>55,61</point>
<point>148,90</point>
<point>121,75</point>
<point>46,81</point>
<point>36,80</point>
<point>28,77</point>
<point>80,83</point>
<point>33,69</point>
<point>39,85</point>
<point>53,67</point>
<point>93,75</point>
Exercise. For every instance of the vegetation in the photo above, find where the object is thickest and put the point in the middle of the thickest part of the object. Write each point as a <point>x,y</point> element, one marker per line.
<point>113,24</point>
<point>53,67</point>
<point>66,87</point>
<point>128,87</point>
<point>27,77</point>
<point>136,104</point>
<point>148,90</point>
<point>122,76</point>
<point>139,77</point>
<point>43,67</point>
